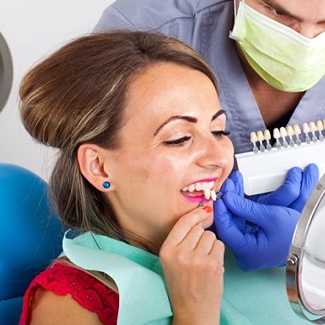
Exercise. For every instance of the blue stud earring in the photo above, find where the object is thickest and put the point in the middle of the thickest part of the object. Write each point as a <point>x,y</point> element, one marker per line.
<point>106,185</point>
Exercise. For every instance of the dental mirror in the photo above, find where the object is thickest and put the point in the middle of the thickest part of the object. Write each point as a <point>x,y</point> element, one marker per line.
<point>305,269</point>
<point>6,72</point>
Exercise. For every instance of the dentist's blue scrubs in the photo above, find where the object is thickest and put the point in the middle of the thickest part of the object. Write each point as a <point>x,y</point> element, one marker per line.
<point>205,25</point>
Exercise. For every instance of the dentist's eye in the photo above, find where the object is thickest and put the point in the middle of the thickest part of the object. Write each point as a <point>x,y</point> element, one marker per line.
<point>280,16</point>
<point>219,134</point>
<point>275,12</point>
<point>177,142</point>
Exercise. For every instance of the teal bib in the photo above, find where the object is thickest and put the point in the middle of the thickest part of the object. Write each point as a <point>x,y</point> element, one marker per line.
<point>136,272</point>
<point>139,277</point>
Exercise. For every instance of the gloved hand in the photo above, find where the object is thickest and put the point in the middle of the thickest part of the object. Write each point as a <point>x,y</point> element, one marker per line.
<point>260,235</point>
<point>295,190</point>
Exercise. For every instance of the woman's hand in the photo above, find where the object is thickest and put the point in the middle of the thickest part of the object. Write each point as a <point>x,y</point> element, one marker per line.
<point>192,260</point>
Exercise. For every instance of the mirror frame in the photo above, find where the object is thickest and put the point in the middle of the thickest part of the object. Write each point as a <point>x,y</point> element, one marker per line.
<point>6,67</point>
<point>294,260</point>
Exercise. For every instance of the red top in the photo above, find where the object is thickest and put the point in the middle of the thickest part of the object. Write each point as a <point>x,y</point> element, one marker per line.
<point>89,292</point>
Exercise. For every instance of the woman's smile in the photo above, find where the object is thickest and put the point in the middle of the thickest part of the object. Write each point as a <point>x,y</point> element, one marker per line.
<point>203,190</point>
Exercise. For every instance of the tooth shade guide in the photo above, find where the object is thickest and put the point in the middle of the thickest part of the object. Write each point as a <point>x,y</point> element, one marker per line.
<point>265,171</point>
<point>288,136</point>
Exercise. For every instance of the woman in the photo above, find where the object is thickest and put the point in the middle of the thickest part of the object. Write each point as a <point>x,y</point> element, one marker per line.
<point>143,151</point>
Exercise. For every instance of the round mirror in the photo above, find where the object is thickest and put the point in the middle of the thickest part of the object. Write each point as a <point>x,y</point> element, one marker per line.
<point>306,260</point>
<point>6,72</point>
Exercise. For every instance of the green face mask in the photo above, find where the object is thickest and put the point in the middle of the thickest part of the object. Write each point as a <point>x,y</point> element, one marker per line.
<point>284,58</point>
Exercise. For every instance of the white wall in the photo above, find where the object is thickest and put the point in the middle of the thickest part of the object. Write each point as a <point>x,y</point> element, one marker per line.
<point>33,29</point>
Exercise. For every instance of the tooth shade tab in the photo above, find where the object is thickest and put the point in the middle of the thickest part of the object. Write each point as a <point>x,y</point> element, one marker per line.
<point>296,129</point>
<point>210,194</point>
<point>319,126</point>
<point>253,138</point>
<point>207,194</point>
<point>305,128</point>
<point>290,130</point>
<point>283,132</point>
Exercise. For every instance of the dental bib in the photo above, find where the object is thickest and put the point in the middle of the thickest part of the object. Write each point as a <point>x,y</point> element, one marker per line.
<point>136,272</point>
<point>139,277</point>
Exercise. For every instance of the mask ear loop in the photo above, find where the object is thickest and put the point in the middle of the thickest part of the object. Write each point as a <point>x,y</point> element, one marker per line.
<point>235,7</point>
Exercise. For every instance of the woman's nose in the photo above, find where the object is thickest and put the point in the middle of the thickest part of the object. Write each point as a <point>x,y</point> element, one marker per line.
<point>216,153</point>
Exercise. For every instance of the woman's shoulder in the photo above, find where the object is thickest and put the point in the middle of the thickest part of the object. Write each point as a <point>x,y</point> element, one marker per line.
<point>49,308</point>
<point>63,290</point>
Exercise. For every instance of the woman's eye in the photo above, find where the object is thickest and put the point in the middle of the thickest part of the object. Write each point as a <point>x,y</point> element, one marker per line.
<point>219,134</point>
<point>177,142</point>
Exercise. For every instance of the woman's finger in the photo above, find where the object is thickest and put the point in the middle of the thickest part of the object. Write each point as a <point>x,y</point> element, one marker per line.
<point>184,225</point>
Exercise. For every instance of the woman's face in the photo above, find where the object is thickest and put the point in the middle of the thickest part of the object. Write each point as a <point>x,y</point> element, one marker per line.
<point>172,142</point>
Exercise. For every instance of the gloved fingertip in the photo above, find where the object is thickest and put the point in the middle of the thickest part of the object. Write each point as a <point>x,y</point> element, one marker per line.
<point>312,168</point>
<point>228,185</point>
<point>235,203</point>
<point>295,169</point>
<point>294,175</point>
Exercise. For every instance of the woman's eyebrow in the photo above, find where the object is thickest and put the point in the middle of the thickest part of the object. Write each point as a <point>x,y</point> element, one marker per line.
<point>177,117</point>
<point>190,119</point>
<point>220,112</point>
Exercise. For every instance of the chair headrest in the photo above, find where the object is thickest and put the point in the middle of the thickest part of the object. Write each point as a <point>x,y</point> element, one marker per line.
<point>30,232</point>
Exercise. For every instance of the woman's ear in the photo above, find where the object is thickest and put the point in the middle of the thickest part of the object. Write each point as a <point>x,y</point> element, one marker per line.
<point>92,165</point>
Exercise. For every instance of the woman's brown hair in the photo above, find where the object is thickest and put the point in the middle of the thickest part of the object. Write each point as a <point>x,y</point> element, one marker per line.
<point>77,95</point>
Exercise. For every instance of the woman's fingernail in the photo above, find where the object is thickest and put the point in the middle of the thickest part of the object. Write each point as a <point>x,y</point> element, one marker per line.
<point>207,208</point>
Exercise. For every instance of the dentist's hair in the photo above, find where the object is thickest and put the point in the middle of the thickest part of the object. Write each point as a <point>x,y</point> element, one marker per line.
<point>77,95</point>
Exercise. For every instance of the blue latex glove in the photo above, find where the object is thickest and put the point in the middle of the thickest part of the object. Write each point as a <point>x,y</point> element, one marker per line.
<point>295,190</point>
<point>260,235</point>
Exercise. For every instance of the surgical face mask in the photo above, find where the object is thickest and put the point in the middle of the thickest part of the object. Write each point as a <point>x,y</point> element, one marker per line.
<point>284,58</point>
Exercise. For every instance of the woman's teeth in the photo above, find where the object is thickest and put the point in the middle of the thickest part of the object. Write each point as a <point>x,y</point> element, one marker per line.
<point>200,186</point>
<point>206,187</point>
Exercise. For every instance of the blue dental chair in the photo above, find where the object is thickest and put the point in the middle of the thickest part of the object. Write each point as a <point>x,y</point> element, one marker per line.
<point>30,236</point>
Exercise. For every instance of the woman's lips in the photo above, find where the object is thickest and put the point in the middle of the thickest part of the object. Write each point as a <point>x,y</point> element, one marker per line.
<point>194,197</point>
